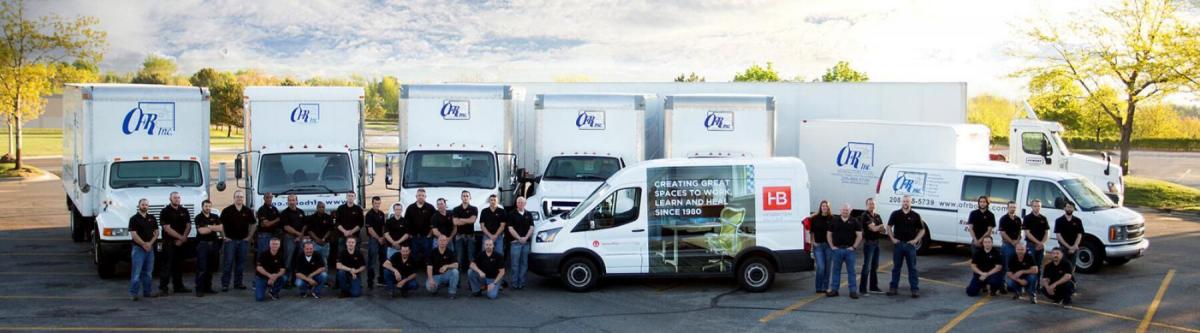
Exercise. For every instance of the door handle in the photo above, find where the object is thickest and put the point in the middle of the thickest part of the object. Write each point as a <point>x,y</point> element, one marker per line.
<point>639,230</point>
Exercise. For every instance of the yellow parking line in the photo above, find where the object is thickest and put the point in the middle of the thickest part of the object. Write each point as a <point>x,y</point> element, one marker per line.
<point>961,263</point>
<point>1162,289</point>
<point>40,297</point>
<point>954,322</point>
<point>186,329</point>
<point>47,273</point>
<point>789,308</point>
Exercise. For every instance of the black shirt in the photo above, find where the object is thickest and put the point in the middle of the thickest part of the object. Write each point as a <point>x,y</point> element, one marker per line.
<point>1011,226</point>
<point>419,217</point>
<point>985,261</point>
<point>443,224</point>
<point>980,221</point>
<point>272,263</point>
<point>396,227</point>
<point>375,221</point>
<point>352,260</point>
<point>819,224</point>
<point>294,218</point>
<point>439,259</point>
<point>867,219</point>
<point>1069,229</point>
<point>844,231</point>
<point>237,222</point>
<point>202,221</point>
<point>320,226</point>
<point>521,222</point>
<point>1055,272</point>
<point>406,268</point>
<point>462,213</point>
<point>905,226</point>
<point>143,226</point>
<point>268,212</point>
<point>306,266</point>
<point>1036,225</point>
<point>492,219</point>
<point>1017,264</point>
<point>490,265</point>
<point>348,217</point>
<point>175,218</point>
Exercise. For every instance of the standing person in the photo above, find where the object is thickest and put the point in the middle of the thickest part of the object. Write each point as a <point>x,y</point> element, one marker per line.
<point>443,224</point>
<point>397,231</point>
<point>418,215</point>
<point>982,222</point>
<point>268,223</point>
<point>486,271</point>
<point>400,271</point>
<point>349,219</point>
<point>293,220</point>
<point>1022,274</point>
<point>442,268</point>
<point>906,231</point>
<point>986,269</point>
<point>1037,232</point>
<point>238,223</point>
<point>1058,278</point>
<point>495,222</point>
<point>269,271</point>
<point>465,216</point>
<point>376,245</point>
<point>520,227</point>
<point>818,226</point>
<point>873,231</point>
<point>350,266</point>
<point>143,230</point>
<point>844,235</point>
<point>320,230</point>
<point>310,271</point>
<point>176,225</point>
<point>1069,231</point>
<point>1010,233</point>
<point>208,245</point>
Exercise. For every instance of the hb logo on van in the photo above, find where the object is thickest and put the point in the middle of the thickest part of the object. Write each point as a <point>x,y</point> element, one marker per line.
<point>857,155</point>
<point>154,118</point>
<point>719,121</point>
<point>306,113</point>
<point>777,198</point>
<point>456,110</point>
<point>910,183</point>
<point>590,120</point>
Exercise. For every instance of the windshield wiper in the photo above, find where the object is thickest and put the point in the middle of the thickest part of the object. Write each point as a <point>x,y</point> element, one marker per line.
<point>592,178</point>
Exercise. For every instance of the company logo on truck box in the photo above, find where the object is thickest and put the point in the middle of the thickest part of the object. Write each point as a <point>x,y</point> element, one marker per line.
<point>306,113</point>
<point>777,198</point>
<point>719,121</point>
<point>856,155</point>
<point>910,183</point>
<point>154,118</point>
<point>590,120</point>
<point>456,110</point>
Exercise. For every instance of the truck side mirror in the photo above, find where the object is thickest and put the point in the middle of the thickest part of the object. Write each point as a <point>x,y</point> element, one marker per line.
<point>370,169</point>
<point>1107,163</point>
<point>237,167</point>
<point>221,176</point>
<point>81,177</point>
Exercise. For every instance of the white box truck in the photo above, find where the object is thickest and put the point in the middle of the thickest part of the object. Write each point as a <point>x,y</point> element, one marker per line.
<point>1038,144</point>
<point>945,194</point>
<point>582,139</point>
<point>306,141</point>
<point>456,137</point>
<point>709,125</point>
<point>123,143</point>
<point>739,217</point>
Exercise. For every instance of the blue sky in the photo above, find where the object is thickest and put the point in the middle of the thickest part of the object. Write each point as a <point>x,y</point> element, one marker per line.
<point>437,41</point>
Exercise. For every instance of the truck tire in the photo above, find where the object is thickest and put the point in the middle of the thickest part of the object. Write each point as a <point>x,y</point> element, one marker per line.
<point>79,231</point>
<point>1090,256</point>
<point>579,274</point>
<point>756,274</point>
<point>105,267</point>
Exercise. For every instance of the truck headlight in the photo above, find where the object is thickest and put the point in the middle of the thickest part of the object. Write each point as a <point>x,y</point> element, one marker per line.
<point>537,216</point>
<point>547,236</point>
<point>116,232</point>
<point>1118,233</point>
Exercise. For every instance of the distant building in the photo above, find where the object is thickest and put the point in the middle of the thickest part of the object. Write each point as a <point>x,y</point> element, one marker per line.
<point>51,118</point>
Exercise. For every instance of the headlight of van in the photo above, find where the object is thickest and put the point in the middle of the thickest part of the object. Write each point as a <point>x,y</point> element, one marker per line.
<point>547,236</point>
<point>1118,233</point>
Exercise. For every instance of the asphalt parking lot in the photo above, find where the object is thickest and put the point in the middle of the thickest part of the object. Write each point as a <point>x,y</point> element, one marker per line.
<point>47,283</point>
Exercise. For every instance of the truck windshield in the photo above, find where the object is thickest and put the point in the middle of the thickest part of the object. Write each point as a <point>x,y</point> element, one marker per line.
<point>581,168</point>
<point>470,169</point>
<point>305,173</point>
<point>1087,196</point>
<point>1062,146</point>
<point>598,194</point>
<point>155,174</point>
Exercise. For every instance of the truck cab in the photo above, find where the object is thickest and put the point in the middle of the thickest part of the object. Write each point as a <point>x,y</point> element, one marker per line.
<point>1038,144</point>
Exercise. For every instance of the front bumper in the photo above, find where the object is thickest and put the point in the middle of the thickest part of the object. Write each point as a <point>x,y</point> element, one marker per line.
<point>1131,250</point>
<point>114,251</point>
<point>545,264</point>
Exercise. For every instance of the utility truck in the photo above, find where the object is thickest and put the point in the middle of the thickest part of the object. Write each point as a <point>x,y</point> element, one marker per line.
<point>1038,144</point>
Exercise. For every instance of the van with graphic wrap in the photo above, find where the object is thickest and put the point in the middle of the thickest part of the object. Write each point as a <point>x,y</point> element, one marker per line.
<point>712,125</point>
<point>945,194</point>
<point>735,217</point>
<point>125,142</point>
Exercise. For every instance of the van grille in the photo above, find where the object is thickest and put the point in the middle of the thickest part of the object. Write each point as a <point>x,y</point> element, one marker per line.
<point>1136,231</point>
<point>551,208</point>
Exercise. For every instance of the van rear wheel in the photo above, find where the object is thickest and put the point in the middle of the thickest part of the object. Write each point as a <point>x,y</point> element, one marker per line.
<point>579,274</point>
<point>756,274</point>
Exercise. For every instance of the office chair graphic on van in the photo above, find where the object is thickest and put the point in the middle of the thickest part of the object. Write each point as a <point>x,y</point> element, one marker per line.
<point>728,241</point>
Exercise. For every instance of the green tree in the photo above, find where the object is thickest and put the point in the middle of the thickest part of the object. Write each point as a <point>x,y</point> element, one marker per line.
<point>156,70</point>
<point>225,97</point>
<point>29,48</point>
<point>758,73</point>
<point>690,77</point>
<point>1054,96</point>
<point>992,111</point>
<point>841,72</point>
<point>1141,49</point>
<point>1158,121</point>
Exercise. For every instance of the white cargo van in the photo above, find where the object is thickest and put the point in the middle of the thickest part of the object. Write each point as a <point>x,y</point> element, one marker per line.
<point>125,142</point>
<point>945,194</point>
<point>708,125</point>
<point>582,139</point>
<point>683,217</point>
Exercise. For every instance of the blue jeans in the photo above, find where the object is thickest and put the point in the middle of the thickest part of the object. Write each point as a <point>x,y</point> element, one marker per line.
<point>993,282</point>
<point>290,244</point>
<point>374,250</point>
<point>904,254</point>
<point>822,256</point>
<point>464,248</point>
<point>498,242</point>
<point>448,279</point>
<point>206,255</point>
<point>260,287</point>
<point>1007,251</point>
<point>320,279</point>
<point>519,264</point>
<point>262,242</point>
<point>419,244</point>
<point>478,281</point>
<point>141,270</point>
<point>390,280</point>
<point>1039,258</point>
<point>869,279</point>
<point>1030,284</point>
<point>352,287</point>
<point>843,257</point>
<point>234,262</point>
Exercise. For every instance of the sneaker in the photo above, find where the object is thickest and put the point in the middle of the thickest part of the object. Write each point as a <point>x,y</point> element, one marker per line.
<point>831,294</point>
<point>1032,298</point>
<point>1066,302</point>
<point>1017,295</point>
<point>876,291</point>
<point>853,295</point>
<point>891,292</point>
<point>452,296</point>
<point>915,294</point>
<point>273,296</point>
<point>477,294</point>
<point>314,295</point>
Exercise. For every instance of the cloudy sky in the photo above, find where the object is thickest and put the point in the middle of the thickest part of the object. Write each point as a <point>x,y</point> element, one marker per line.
<point>436,41</point>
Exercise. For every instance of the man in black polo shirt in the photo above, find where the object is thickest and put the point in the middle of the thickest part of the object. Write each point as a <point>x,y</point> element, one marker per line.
<point>873,231</point>
<point>269,271</point>
<point>349,218</point>
<point>418,215</point>
<point>293,221</point>
<point>487,271</point>
<point>1037,230</point>
<point>986,269</point>
<point>1056,278</point>
<point>442,223</point>
<point>143,231</point>
<point>1069,231</point>
<point>907,231</point>
<point>350,268</point>
<point>400,271</point>
<point>465,216</point>
<point>238,223</point>
<point>1022,274</point>
<point>442,268</point>
<point>494,221</point>
<point>982,221</point>
<point>844,235</point>
<point>208,245</point>
<point>397,232</point>
<point>1010,233</point>
<point>176,225</point>
<point>268,222</point>
<point>375,243</point>
<point>310,272</point>
<point>520,228</point>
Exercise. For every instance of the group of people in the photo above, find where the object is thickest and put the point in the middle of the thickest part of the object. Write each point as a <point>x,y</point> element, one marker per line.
<point>1020,266</point>
<point>310,251</point>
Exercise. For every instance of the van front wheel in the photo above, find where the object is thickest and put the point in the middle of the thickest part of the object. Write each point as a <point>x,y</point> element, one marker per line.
<point>1090,256</point>
<point>756,274</point>
<point>579,274</point>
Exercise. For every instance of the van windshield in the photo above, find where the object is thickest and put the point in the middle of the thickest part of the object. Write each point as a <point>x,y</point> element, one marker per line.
<point>581,168</point>
<point>305,173</point>
<point>596,195</point>
<point>155,174</point>
<point>1087,196</point>
<point>471,169</point>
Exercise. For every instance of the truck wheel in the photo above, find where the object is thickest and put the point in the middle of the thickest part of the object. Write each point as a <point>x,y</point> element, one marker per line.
<point>1089,256</point>
<point>105,267</point>
<point>1117,261</point>
<point>926,242</point>
<point>79,232</point>
<point>756,274</point>
<point>579,274</point>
